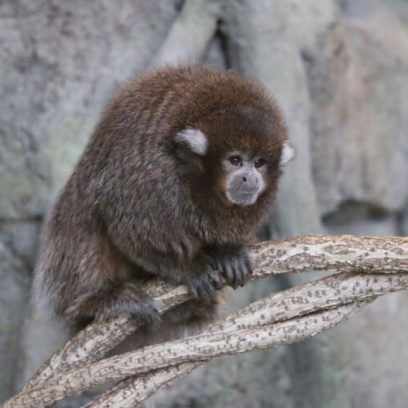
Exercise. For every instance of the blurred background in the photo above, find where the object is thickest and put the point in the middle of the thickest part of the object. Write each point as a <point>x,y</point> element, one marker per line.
<point>339,71</point>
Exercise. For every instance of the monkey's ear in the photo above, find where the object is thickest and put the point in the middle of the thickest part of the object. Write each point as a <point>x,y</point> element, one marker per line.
<point>288,153</point>
<point>194,139</point>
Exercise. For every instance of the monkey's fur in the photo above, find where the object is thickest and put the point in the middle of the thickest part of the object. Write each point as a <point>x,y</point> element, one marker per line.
<point>151,197</point>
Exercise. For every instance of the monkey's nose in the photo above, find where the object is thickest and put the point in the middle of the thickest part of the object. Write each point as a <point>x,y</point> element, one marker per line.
<point>251,179</point>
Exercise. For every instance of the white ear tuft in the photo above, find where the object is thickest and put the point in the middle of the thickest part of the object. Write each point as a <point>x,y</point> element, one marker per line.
<point>288,153</point>
<point>195,140</point>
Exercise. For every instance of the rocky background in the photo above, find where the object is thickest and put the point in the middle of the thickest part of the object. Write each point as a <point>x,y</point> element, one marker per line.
<point>338,69</point>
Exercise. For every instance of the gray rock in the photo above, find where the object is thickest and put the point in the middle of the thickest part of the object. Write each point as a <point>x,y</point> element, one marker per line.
<point>13,296</point>
<point>359,90</point>
<point>61,68</point>
<point>21,238</point>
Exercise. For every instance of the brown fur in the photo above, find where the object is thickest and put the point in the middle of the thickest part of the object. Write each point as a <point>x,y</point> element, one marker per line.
<point>138,206</point>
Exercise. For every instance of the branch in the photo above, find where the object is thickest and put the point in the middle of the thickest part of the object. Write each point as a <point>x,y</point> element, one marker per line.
<point>296,254</point>
<point>267,323</point>
<point>133,391</point>
<point>136,390</point>
<point>264,324</point>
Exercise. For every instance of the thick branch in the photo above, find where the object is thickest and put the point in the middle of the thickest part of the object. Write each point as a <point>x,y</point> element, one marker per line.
<point>133,391</point>
<point>194,349</point>
<point>331,253</point>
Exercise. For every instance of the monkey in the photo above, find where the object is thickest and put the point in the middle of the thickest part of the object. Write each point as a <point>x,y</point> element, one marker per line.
<point>180,171</point>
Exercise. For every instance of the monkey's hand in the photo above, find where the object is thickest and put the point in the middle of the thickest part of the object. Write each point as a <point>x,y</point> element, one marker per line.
<point>111,301</point>
<point>234,263</point>
<point>204,283</point>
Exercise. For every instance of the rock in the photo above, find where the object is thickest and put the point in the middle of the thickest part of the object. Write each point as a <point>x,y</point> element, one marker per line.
<point>359,90</point>
<point>21,237</point>
<point>14,292</point>
<point>60,71</point>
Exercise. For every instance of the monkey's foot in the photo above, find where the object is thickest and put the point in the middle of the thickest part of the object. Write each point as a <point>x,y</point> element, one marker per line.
<point>235,265</point>
<point>127,298</point>
<point>134,300</point>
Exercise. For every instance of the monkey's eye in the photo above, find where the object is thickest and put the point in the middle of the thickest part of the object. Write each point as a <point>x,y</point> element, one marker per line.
<point>260,163</point>
<point>235,160</point>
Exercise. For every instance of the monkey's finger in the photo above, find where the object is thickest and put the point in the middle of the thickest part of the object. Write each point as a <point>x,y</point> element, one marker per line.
<point>209,291</point>
<point>193,290</point>
<point>215,264</point>
<point>220,266</point>
<point>209,285</point>
<point>211,261</point>
<point>216,279</point>
<point>202,289</point>
<point>239,272</point>
<point>244,272</point>
<point>248,265</point>
<point>229,274</point>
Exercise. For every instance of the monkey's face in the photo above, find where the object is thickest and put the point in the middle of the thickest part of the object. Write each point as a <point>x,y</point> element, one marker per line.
<point>244,177</point>
<point>247,176</point>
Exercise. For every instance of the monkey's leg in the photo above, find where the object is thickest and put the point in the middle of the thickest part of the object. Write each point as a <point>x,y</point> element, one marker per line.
<point>233,262</point>
<point>181,321</point>
<point>112,300</point>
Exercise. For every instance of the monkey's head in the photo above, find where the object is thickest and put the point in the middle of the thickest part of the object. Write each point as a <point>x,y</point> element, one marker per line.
<point>237,152</point>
